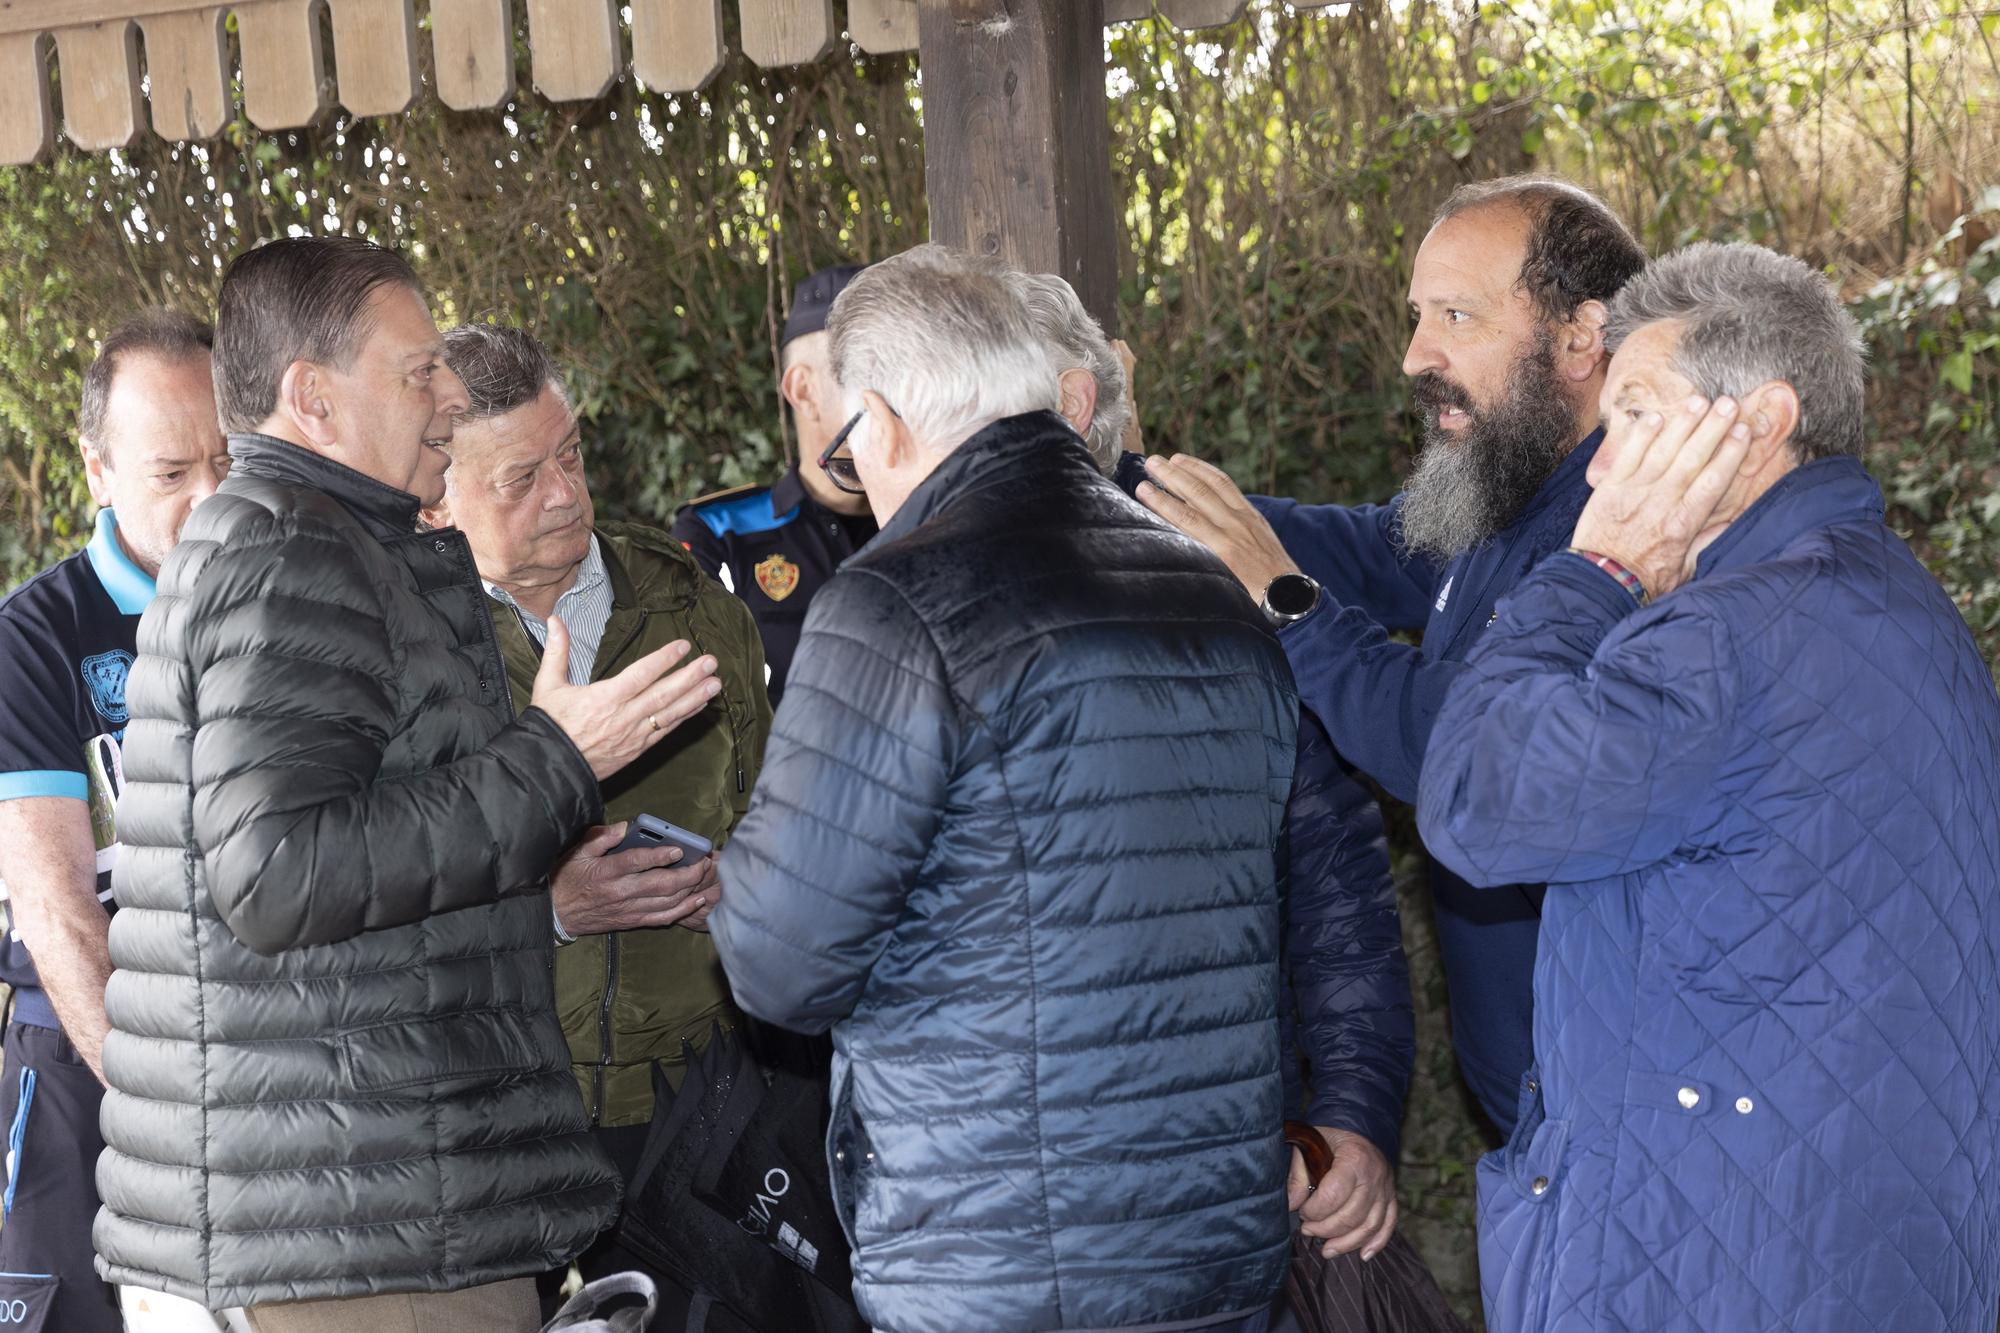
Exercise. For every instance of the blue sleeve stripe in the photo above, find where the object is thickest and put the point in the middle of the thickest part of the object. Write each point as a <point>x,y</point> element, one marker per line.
<point>44,782</point>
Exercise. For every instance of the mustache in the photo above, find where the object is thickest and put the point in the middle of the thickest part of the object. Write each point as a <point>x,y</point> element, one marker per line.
<point>1432,392</point>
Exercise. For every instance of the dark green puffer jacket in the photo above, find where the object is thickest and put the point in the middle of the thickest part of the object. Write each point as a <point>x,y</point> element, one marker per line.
<point>334,1063</point>
<point>630,998</point>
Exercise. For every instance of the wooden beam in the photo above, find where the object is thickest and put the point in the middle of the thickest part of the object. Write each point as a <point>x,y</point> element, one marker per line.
<point>48,15</point>
<point>1017,158</point>
<point>99,63</point>
<point>284,84</point>
<point>676,44</point>
<point>472,45</point>
<point>786,32</point>
<point>375,55</point>
<point>27,124</point>
<point>185,57</point>
<point>883,27</point>
<point>1201,13</point>
<point>575,45</point>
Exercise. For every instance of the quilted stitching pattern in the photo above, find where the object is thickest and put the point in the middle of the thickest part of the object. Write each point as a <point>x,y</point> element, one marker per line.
<point>1767,999</point>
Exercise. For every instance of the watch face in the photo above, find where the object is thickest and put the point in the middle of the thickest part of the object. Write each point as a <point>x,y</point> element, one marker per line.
<point>1292,594</point>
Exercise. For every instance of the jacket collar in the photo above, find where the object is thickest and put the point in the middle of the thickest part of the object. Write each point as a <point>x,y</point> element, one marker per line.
<point>1817,495</point>
<point>390,512</point>
<point>999,448</point>
<point>1566,479</point>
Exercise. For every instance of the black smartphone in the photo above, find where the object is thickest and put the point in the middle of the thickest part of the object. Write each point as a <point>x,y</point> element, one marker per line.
<point>646,831</point>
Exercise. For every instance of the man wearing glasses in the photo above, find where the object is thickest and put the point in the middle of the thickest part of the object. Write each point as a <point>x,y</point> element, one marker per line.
<point>776,546</point>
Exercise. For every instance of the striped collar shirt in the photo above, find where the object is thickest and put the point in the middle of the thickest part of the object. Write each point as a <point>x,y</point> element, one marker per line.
<point>585,607</point>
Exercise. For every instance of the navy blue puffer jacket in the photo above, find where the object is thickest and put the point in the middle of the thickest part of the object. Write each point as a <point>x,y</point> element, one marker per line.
<point>1016,844</point>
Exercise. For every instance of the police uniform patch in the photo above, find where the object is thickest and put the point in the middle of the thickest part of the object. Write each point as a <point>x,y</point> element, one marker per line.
<point>777,576</point>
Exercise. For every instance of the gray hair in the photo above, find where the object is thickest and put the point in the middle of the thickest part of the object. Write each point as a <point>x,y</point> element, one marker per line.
<point>946,340</point>
<point>503,368</point>
<point>1077,342</point>
<point>1749,316</point>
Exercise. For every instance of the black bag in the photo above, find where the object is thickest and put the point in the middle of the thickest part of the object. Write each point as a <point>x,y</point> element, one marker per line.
<point>1392,1293</point>
<point>731,1195</point>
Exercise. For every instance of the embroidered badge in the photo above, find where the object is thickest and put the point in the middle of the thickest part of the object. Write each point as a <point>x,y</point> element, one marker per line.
<point>777,576</point>
<point>104,676</point>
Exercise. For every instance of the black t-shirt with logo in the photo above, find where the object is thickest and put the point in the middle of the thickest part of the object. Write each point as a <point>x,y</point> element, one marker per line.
<point>67,642</point>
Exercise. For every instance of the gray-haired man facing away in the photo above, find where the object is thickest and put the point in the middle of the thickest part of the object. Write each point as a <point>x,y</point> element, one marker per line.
<point>1015,846</point>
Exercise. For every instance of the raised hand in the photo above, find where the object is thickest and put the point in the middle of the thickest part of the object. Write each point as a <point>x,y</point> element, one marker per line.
<point>615,721</point>
<point>1201,500</point>
<point>1656,493</point>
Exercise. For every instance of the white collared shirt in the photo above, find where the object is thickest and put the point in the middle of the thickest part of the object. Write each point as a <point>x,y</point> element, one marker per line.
<point>585,608</point>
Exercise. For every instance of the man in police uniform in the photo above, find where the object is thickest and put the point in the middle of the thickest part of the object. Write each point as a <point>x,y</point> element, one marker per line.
<point>152,450</point>
<point>775,546</point>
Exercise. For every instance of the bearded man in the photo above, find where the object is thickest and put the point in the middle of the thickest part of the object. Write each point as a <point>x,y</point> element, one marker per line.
<point>1507,359</point>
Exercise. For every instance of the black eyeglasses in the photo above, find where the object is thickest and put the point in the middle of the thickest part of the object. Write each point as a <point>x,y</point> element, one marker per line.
<point>840,471</point>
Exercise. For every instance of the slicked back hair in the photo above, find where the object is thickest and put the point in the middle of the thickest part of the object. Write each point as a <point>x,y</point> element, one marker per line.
<point>1578,249</point>
<point>167,334</point>
<point>946,340</point>
<point>297,299</point>
<point>1749,316</point>
<point>503,368</point>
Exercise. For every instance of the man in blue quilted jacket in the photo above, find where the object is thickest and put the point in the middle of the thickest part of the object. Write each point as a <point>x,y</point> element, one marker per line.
<point>1506,357</point>
<point>1750,746</point>
<point>1015,846</point>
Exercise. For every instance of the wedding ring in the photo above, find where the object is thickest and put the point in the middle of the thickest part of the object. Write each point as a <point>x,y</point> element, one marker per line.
<point>652,721</point>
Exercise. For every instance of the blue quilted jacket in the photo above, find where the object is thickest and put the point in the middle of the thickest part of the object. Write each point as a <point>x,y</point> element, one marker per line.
<point>1767,1004</point>
<point>1015,844</point>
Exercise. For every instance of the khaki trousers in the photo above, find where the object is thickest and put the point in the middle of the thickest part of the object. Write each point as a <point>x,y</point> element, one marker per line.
<point>498,1307</point>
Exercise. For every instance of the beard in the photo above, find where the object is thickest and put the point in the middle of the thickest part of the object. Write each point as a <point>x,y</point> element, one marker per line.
<point>1472,483</point>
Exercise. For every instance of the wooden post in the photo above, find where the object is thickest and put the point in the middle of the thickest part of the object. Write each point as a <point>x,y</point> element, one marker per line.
<point>1017,158</point>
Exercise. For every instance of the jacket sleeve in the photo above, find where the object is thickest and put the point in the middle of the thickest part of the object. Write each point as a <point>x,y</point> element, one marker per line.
<point>292,686</point>
<point>1344,955</point>
<point>1561,757</point>
<point>1353,552</point>
<point>698,541</point>
<point>1377,698</point>
<point>859,763</point>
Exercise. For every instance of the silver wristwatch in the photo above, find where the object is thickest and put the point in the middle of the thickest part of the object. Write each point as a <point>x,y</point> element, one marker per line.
<point>1289,598</point>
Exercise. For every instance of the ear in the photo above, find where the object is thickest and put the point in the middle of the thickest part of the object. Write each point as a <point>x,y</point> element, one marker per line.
<point>797,388</point>
<point>96,466</point>
<point>1580,342</point>
<point>1772,409</point>
<point>306,401</point>
<point>890,438</point>
<point>1079,398</point>
<point>439,514</point>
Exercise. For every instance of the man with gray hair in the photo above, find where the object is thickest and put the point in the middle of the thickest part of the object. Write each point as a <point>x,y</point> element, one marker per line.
<point>1751,747</point>
<point>1015,846</point>
<point>1096,389</point>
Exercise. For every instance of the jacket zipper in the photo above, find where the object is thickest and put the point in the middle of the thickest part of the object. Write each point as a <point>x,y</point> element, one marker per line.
<point>604,1029</point>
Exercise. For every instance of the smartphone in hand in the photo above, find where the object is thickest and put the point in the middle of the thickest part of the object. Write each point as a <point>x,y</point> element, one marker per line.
<point>648,831</point>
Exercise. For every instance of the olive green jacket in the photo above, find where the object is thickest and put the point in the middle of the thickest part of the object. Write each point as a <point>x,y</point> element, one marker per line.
<point>630,998</point>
